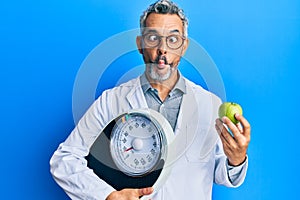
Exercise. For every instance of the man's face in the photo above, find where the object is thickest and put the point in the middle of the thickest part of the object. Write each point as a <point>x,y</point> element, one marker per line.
<point>162,45</point>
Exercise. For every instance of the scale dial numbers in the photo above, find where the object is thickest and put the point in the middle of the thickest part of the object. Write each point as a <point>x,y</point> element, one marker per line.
<point>135,144</point>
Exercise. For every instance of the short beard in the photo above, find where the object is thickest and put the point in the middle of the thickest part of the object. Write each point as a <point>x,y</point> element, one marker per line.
<point>156,76</point>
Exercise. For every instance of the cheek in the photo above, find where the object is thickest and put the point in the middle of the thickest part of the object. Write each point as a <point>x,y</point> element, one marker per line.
<point>149,55</point>
<point>175,63</point>
<point>175,58</point>
<point>177,54</point>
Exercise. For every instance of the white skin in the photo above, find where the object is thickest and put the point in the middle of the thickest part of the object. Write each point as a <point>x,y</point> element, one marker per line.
<point>163,77</point>
<point>154,75</point>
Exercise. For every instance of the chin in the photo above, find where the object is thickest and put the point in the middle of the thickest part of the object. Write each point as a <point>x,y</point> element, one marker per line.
<point>155,75</point>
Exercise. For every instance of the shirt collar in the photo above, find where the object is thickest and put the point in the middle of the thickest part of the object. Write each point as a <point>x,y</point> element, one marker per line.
<point>180,85</point>
<point>145,83</point>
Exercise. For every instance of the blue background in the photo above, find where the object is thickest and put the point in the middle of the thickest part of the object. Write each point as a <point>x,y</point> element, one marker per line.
<point>255,45</point>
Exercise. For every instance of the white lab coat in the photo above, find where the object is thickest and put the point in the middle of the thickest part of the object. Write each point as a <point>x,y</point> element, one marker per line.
<point>199,159</point>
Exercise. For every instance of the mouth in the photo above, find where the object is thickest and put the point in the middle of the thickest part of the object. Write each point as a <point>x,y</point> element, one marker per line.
<point>161,62</point>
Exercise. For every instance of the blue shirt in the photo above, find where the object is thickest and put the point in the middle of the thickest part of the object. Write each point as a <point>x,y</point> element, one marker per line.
<point>170,107</point>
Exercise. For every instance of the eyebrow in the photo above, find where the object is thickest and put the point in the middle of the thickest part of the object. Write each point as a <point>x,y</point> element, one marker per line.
<point>155,31</point>
<point>174,31</point>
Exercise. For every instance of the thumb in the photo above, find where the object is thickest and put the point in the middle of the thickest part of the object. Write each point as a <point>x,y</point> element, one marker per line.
<point>145,191</point>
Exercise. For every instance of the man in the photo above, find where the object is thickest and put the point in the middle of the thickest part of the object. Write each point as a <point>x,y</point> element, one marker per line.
<point>191,111</point>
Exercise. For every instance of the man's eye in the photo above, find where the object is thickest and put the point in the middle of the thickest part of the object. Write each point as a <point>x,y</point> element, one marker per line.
<point>152,37</point>
<point>173,39</point>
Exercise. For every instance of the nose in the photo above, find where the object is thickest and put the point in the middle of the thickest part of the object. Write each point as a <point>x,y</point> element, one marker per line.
<point>162,47</point>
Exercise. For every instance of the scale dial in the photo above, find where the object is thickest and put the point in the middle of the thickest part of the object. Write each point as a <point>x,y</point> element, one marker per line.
<point>136,144</point>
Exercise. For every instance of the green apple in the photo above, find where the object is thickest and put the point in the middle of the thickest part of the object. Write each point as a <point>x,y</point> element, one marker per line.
<point>229,109</point>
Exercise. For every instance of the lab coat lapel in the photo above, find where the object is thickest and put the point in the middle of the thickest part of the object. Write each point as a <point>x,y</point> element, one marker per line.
<point>194,121</point>
<point>135,96</point>
<point>185,129</point>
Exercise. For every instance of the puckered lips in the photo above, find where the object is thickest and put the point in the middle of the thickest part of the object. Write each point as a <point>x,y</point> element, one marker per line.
<point>161,62</point>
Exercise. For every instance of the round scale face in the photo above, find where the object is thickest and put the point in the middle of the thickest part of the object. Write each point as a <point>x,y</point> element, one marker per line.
<point>135,144</point>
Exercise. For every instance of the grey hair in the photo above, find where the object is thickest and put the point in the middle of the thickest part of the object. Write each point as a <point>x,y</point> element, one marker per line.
<point>164,7</point>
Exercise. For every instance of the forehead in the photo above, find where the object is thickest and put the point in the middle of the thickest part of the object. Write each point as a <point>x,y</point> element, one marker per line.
<point>164,23</point>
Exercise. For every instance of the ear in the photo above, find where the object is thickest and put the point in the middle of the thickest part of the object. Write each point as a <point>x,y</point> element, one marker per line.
<point>139,44</point>
<point>185,46</point>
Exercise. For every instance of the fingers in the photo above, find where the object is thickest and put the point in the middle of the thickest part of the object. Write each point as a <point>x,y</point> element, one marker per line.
<point>224,132</point>
<point>240,132</point>
<point>129,193</point>
<point>240,127</point>
<point>236,134</point>
<point>246,125</point>
<point>145,191</point>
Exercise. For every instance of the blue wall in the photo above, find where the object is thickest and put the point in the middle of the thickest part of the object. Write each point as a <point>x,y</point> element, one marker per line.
<point>255,45</point>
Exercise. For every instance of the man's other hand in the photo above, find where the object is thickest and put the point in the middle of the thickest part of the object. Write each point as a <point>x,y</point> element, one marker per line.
<point>129,194</point>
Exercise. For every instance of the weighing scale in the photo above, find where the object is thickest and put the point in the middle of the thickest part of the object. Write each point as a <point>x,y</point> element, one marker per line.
<point>132,150</point>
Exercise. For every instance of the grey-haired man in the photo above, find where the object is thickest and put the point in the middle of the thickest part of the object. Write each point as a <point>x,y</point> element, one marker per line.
<point>213,156</point>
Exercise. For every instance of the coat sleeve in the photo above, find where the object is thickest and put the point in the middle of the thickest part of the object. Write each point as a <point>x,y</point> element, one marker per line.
<point>228,175</point>
<point>68,165</point>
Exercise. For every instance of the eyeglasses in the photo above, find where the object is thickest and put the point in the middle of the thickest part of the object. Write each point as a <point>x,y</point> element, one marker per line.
<point>173,41</point>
